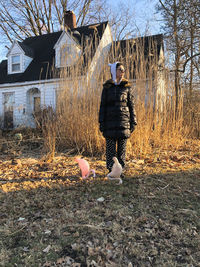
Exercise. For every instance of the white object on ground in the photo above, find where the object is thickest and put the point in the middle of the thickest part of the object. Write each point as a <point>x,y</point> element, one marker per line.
<point>116,171</point>
<point>101,199</point>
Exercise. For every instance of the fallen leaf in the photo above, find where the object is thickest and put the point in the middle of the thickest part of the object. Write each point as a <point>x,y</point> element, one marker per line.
<point>69,261</point>
<point>141,161</point>
<point>46,250</point>
<point>101,199</point>
<point>92,263</point>
<point>47,232</point>
<point>21,219</point>
<point>76,264</point>
<point>47,264</point>
<point>60,261</point>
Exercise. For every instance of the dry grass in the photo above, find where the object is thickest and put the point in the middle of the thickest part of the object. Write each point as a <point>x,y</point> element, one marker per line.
<point>75,123</point>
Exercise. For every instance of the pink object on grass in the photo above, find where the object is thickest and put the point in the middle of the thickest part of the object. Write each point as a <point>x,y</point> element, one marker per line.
<point>85,168</point>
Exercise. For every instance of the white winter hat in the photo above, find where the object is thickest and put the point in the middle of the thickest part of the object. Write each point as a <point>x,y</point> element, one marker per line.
<point>113,70</point>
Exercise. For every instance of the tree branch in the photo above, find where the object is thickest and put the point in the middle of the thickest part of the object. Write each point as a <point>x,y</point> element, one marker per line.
<point>185,63</point>
<point>164,7</point>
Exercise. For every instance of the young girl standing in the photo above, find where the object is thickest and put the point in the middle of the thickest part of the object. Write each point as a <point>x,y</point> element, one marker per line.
<point>117,118</point>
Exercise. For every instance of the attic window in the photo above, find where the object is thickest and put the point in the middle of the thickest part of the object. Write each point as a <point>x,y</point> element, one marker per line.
<point>65,53</point>
<point>15,63</point>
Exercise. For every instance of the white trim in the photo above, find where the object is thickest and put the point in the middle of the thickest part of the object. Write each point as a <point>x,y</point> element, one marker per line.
<point>18,63</point>
<point>9,68</point>
<point>59,39</point>
<point>10,85</point>
<point>15,42</point>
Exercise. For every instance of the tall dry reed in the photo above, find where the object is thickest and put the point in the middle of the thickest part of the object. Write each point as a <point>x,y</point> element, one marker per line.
<point>78,99</point>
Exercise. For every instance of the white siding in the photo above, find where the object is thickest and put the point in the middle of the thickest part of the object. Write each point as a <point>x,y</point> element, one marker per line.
<point>26,61</point>
<point>48,95</point>
<point>22,116</point>
<point>15,49</point>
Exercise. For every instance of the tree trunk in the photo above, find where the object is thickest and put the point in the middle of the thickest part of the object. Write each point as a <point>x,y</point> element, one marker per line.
<point>191,63</point>
<point>177,59</point>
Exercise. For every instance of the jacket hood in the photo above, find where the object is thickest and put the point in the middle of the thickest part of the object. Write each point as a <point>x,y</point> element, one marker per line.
<point>113,70</point>
<point>123,83</point>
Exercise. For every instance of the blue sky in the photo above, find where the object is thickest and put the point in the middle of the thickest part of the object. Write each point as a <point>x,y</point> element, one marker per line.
<point>143,11</point>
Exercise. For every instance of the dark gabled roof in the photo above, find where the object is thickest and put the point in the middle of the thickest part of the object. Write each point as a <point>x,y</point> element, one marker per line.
<point>150,45</point>
<point>88,31</point>
<point>132,52</point>
<point>41,48</point>
<point>27,50</point>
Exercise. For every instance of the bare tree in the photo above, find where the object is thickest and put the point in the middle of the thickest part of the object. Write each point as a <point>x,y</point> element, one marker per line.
<point>181,20</point>
<point>170,10</point>
<point>191,54</point>
<point>123,21</point>
<point>24,18</point>
<point>20,19</point>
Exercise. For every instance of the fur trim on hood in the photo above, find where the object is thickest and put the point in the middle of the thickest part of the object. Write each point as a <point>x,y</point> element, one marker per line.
<point>123,83</point>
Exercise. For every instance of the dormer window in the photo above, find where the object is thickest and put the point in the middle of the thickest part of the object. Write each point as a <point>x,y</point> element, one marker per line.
<point>15,63</point>
<point>67,50</point>
<point>19,57</point>
<point>65,54</point>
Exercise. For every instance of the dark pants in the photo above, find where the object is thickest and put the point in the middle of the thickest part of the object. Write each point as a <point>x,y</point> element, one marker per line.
<point>115,148</point>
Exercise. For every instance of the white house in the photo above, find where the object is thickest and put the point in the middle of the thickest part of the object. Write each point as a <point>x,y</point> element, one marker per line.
<point>30,76</point>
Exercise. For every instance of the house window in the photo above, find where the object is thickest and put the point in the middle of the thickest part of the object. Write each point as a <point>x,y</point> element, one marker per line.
<point>65,52</point>
<point>15,63</point>
<point>36,104</point>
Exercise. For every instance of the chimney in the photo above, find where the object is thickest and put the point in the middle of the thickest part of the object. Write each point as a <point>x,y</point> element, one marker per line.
<point>69,19</point>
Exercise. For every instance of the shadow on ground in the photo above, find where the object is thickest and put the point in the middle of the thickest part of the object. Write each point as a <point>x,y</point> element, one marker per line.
<point>149,220</point>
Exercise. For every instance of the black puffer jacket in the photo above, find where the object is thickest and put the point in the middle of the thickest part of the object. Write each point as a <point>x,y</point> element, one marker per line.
<point>117,114</point>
